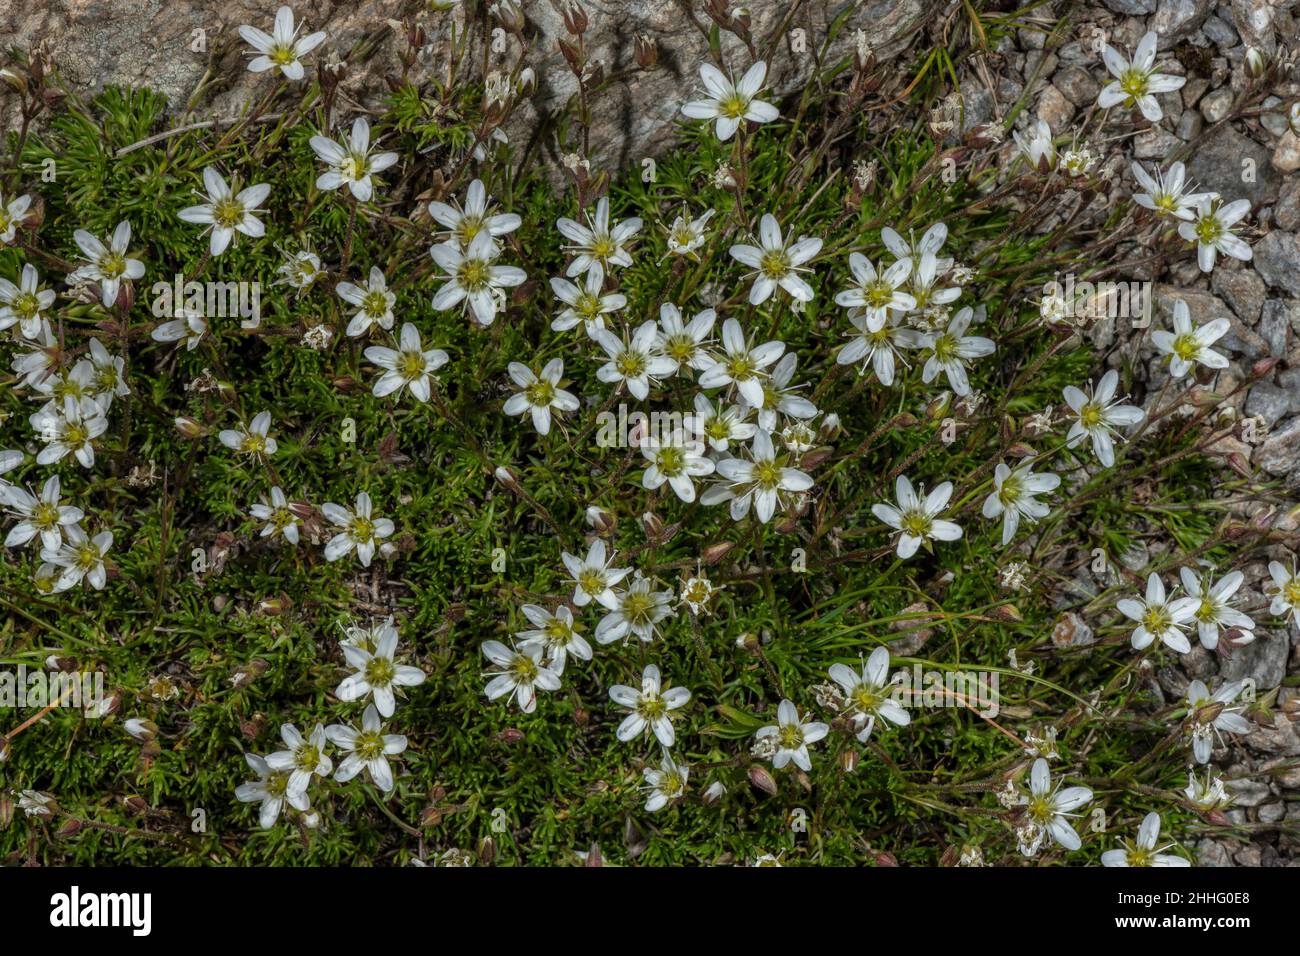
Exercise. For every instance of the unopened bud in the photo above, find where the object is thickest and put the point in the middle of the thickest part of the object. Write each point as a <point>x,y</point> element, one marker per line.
<point>646,52</point>
<point>1256,62</point>
<point>140,728</point>
<point>714,553</point>
<point>526,84</point>
<point>761,779</point>
<point>575,19</point>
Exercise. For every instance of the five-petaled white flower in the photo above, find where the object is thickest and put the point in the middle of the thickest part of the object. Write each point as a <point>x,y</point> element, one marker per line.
<point>777,263</point>
<point>684,342</point>
<point>636,612</point>
<point>721,424</point>
<point>109,265</point>
<point>651,707</point>
<point>360,530</point>
<point>1211,230</point>
<point>271,790</point>
<point>782,398</point>
<point>410,365</point>
<point>868,695</point>
<point>585,303</point>
<point>69,428</point>
<point>764,480</point>
<point>1136,81</point>
<point>687,235</point>
<point>466,222</point>
<point>280,517</point>
<point>283,49</point>
<point>253,439</point>
<point>367,749</point>
<point>226,212</point>
<point>80,557</point>
<point>877,293</point>
<point>598,242</point>
<point>1047,810</point>
<point>1209,715</point>
<point>474,279</point>
<point>635,363</point>
<point>519,672</point>
<point>557,634</point>
<point>1098,414</point>
<point>729,103</point>
<point>1188,343</point>
<point>299,270</point>
<point>950,349</point>
<point>1158,617</point>
<point>1014,496</point>
<point>741,364</point>
<point>189,324</point>
<point>373,300</point>
<point>376,675</point>
<point>789,737</point>
<point>351,163</point>
<point>665,783</point>
<point>1214,610</point>
<point>593,578</point>
<point>1143,851</point>
<point>23,304</point>
<point>881,347</point>
<point>305,757</point>
<point>916,518</point>
<point>676,459</point>
<point>1286,591</point>
<point>12,214</point>
<point>1166,193</point>
<point>538,394</point>
<point>45,515</point>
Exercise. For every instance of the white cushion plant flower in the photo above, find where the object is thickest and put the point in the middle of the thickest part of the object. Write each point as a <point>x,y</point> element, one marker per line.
<point>912,250</point>
<point>539,394</point>
<point>283,49</point>
<point>271,790</point>
<point>1158,617</point>
<point>1207,794</point>
<point>923,284</point>
<point>881,348</point>
<point>305,757</point>
<point>109,265</point>
<point>721,424</point>
<point>299,270</point>
<point>24,303</point>
<point>518,672</point>
<point>916,517</point>
<point>367,749</point>
<point>557,634</point>
<point>477,215</point>
<point>868,696</point>
<point>1099,414</point>
<point>475,280</point>
<point>586,303</point>
<point>1136,82</point>
<point>1015,494</point>
<point>1166,193</point>
<point>598,241</point>
<point>593,576</point>
<point>685,343</point>
<point>1048,810</point>
<point>636,363</point>
<point>1209,715</point>
<point>877,293</point>
<point>777,263</point>
<point>1286,591</point>
<point>687,235</point>
<point>742,364</point>
<point>108,374</point>
<point>636,613</point>
<point>10,459</point>
<point>44,516</point>
<point>359,530</point>
<point>949,350</point>
<point>1214,610</point>
<point>251,439</point>
<point>226,212</point>
<point>1211,230</point>
<point>675,459</point>
<point>351,163</point>
<point>376,674</point>
<point>280,517</point>
<point>81,558</point>
<point>787,740</point>
<point>1143,851</point>
<point>69,428</point>
<point>764,481</point>
<point>651,707</point>
<point>373,300</point>
<point>729,103</point>
<point>188,324</point>
<point>410,365</point>
<point>1187,343</point>
<point>1037,146</point>
<point>12,214</point>
<point>664,783</point>
<point>782,398</point>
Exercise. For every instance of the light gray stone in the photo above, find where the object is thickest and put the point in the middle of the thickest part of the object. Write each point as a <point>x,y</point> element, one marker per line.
<point>1227,156</point>
<point>1277,258</point>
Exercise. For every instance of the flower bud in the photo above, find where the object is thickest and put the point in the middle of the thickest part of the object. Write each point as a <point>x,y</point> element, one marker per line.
<point>1256,62</point>
<point>761,779</point>
<point>714,553</point>
<point>526,82</point>
<point>575,19</point>
<point>140,728</point>
<point>646,52</point>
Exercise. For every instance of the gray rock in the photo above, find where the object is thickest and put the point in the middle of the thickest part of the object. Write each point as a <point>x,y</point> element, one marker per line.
<point>1177,19</point>
<point>1254,21</point>
<point>1212,853</point>
<point>1286,213</point>
<point>1286,157</point>
<point>1280,740</point>
<point>1279,454</point>
<point>1132,8</point>
<point>1219,32</point>
<point>1241,288</point>
<point>1247,792</point>
<point>1277,258</point>
<point>1227,156</point>
<point>1263,660</point>
<point>1275,326</point>
<point>1077,85</point>
<point>1269,401</point>
<point>1215,106</point>
<point>1154,143</point>
<point>1054,109</point>
<point>1190,125</point>
<point>1272,812</point>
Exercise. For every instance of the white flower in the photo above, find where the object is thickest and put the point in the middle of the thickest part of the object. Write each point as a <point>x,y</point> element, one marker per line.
<point>189,325</point>
<point>373,301</point>
<point>1159,618</point>
<point>877,293</point>
<point>764,481</point>
<point>722,424</point>
<point>304,759</point>
<point>226,213</point>
<point>9,460</point>
<point>1211,230</point>
<point>1136,81</point>
<point>684,343</point>
<point>279,517</point>
<point>1188,344</point>
<point>410,365</point>
<point>697,593</point>
<point>464,223</point>
<point>634,363</point>
<point>271,790</point>
<point>376,674</point>
<point>585,303</point>
<point>1098,413</point>
<point>1214,610</point>
<point>360,530</point>
<point>730,103</point>
<point>951,349</point>
<point>367,749</point>
<point>1077,162</point>
<point>69,429</point>
<point>912,251</point>
<point>1286,584</point>
<point>1165,194</point>
<point>474,278</point>
<point>882,347</point>
<point>253,439</point>
<point>925,274</point>
<point>558,635</point>
<point>108,265</point>
<point>299,270</point>
<point>23,304</point>
<point>80,557</point>
<point>917,519</point>
<point>282,48</point>
<point>665,784</point>
<point>519,672</point>
<point>1208,715</point>
<point>782,398</point>
<point>1048,811</point>
<point>1014,495</point>
<point>790,736</point>
<point>637,611</point>
<point>351,163</point>
<point>650,707</point>
<point>685,236</point>
<point>593,578</point>
<point>12,213</point>
<point>1037,147</point>
<point>108,374</point>
<point>675,460</point>
<point>867,696</point>
<point>1143,851</point>
<point>538,394</point>
<point>598,242</point>
<point>776,263</point>
<point>1209,795</point>
<point>741,364</point>
<point>45,516</point>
